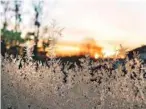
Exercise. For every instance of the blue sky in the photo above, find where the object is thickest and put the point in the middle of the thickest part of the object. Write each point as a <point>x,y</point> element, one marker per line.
<point>109,21</point>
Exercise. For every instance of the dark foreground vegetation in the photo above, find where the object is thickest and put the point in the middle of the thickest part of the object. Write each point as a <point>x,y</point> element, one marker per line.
<point>57,85</point>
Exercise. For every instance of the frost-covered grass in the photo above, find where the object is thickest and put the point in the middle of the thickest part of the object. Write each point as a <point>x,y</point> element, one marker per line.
<point>58,86</point>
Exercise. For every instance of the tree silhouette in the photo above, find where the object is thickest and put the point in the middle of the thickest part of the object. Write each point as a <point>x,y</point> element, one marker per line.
<point>6,8</point>
<point>38,11</point>
<point>11,37</point>
<point>17,14</point>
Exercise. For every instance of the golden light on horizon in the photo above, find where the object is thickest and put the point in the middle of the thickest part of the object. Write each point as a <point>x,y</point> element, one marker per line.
<point>108,52</point>
<point>63,49</point>
<point>68,48</point>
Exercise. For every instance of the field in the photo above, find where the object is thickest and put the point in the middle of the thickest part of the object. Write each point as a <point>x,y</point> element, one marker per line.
<point>59,86</point>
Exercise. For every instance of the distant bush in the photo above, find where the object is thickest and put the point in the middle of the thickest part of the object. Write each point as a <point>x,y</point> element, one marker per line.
<point>59,86</point>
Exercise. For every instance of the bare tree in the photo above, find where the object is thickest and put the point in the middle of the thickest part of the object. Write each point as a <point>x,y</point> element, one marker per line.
<point>6,8</point>
<point>17,14</point>
<point>37,23</point>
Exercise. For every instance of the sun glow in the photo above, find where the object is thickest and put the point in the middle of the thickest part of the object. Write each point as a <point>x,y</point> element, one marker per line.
<point>96,56</point>
<point>108,52</point>
<point>62,49</point>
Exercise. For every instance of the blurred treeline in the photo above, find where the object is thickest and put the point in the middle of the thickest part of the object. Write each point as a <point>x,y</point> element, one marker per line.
<point>11,39</point>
